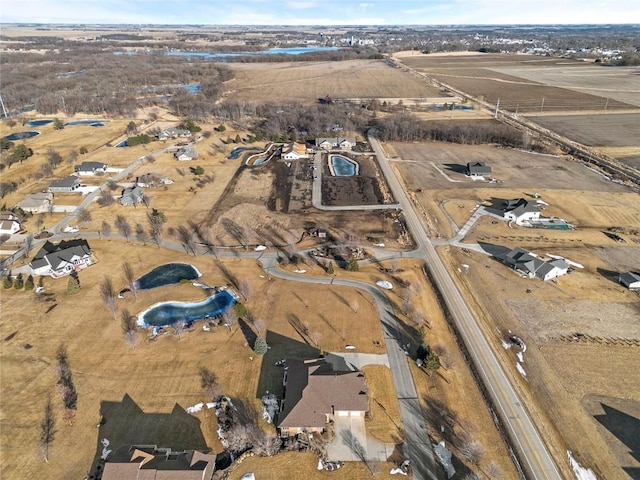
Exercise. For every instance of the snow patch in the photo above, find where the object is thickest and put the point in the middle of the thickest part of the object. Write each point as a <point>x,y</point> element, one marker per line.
<point>506,345</point>
<point>105,449</point>
<point>444,456</point>
<point>199,406</point>
<point>581,472</point>
<point>521,370</point>
<point>520,356</point>
<point>269,407</point>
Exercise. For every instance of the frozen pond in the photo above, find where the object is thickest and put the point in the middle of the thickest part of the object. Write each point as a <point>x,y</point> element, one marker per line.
<point>168,313</point>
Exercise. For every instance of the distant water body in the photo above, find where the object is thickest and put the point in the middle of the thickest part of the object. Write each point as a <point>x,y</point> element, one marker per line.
<point>220,55</point>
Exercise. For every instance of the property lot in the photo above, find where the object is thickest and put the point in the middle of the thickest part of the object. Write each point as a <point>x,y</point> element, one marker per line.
<point>305,82</point>
<point>611,130</point>
<point>363,189</point>
<point>513,168</point>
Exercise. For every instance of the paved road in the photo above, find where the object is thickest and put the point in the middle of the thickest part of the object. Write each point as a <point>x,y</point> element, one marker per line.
<point>536,459</point>
<point>417,446</point>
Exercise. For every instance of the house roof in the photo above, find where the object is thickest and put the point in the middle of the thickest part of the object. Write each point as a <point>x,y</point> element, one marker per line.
<point>295,147</point>
<point>314,389</point>
<point>63,252</point>
<point>150,462</point>
<point>187,151</point>
<point>67,182</point>
<point>525,261</point>
<point>335,140</point>
<point>550,265</point>
<point>132,195</point>
<point>628,278</point>
<point>520,206</point>
<point>8,216</point>
<point>478,167</point>
<point>90,166</point>
<point>35,200</point>
<point>152,178</point>
<point>7,225</point>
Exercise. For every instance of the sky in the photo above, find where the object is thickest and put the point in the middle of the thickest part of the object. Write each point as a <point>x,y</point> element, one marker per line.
<point>321,12</point>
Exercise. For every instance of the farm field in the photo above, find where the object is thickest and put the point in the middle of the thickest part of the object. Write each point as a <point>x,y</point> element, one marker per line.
<point>305,82</point>
<point>500,77</point>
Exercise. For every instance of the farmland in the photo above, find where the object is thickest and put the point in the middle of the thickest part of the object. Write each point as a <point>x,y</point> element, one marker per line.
<point>305,82</point>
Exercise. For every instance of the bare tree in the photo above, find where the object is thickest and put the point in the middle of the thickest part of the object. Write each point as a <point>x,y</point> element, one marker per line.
<point>129,327</point>
<point>209,382</point>
<point>156,221</point>
<point>47,430</point>
<point>28,243</point>
<point>105,198</point>
<point>472,451</point>
<point>123,226</point>
<point>494,471</point>
<point>141,234</point>
<point>241,436</point>
<point>108,295</point>
<point>245,289</point>
<point>316,337</point>
<point>260,326</point>
<point>130,277</point>
<point>230,317</point>
<point>67,387</point>
<point>83,215</point>
<point>105,229</point>
<point>266,445</point>
<point>179,328</point>
<point>185,236</point>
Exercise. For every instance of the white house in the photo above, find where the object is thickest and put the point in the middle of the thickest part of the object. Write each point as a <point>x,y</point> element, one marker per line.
<point>521,211</point>
<point>173,133</point>
<point>62,259</point>
<point>552,269</point>
<point>36,202</point>
<point>91,168</point>
<point>132,196</point>
<point>630,280</point>
<point>344,143</point>
<point>65,185</point>
<point>9,223</point>
<point>294,151</point>
<point>185,154</point>
<point>533,266</point>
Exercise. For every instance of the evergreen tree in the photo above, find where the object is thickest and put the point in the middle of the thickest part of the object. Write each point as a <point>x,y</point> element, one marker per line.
<point>57,124</point>
<point>18,284</point>
<point>28,285</point>
<point>260,346</point>
<point>73,285</point>
<point>352,265</point>
<point>7,282</point>
<point>330,269</point>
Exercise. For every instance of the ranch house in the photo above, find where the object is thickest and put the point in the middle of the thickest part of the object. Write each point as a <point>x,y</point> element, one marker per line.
<point>315,394</point>
<point>36,202</point>
<point>521,211</point>
<point>294,151</point>
<point>186,154</point>
<point>91,168</point>
<point>65,185</point>
<point>9,223</point>
<point>478,169</point>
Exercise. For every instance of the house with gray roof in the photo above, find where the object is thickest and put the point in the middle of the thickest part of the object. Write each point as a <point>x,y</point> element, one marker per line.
<point>173,133</point>
<point>58,260</point>
<point>150,180</point>
<point>532,266</point>
<point>65,185</point>
<point>478,169</point>
<point>132,196</point>
<point>91,168</point>
<point>521,211</point>
<point>186,154</point>
<point>9,223</point>
<point>631,280</point>
<point>137,462</point>
<point>343,143</point>
<point>316,392</point>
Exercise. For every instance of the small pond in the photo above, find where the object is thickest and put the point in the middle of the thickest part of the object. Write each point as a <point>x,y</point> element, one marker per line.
<point>167,313</point>
<point>123,143</point>
<point>21,135</point>
<point>236,152</point>
<point>92,123</point>
<point>342,166</point>
<point>167,274</point>
<point>260,161</point>
<point>39,123</point>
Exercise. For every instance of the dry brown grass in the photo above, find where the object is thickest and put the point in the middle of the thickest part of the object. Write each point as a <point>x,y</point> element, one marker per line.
<point>384,422</point>
<point>304,465</point>
<point>156,375</point>
<point>307,81</point>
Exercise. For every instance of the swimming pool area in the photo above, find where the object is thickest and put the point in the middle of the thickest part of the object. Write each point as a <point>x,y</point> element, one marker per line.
<point>236,152</point>
<point>21,135</point>
<point>39,123</point>
<point>167,274</point>
<point>168,313</point>
<point>340,166</point>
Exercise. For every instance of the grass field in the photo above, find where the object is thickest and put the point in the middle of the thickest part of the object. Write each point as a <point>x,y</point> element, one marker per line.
<point>305,82</point>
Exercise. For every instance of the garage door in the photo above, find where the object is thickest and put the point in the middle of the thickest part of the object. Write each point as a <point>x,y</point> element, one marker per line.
<point>342,413</point>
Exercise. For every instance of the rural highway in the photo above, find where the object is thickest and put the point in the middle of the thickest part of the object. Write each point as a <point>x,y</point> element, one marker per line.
<point>536,461</point>
<point>417,446</point>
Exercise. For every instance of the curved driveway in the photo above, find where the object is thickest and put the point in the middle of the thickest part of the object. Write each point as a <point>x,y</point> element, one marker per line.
<point>536,459</point>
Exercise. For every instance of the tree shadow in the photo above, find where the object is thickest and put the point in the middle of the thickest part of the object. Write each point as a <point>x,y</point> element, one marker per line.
<point>496,251</point>
<point>249,335</point>
<point>496,205</point>
<point>124,423</point>
<point>280,347</point>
